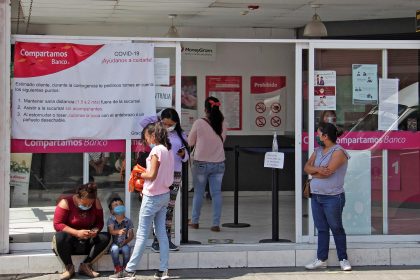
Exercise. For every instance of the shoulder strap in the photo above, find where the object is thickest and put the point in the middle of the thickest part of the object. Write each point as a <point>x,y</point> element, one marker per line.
<point>207,121</point>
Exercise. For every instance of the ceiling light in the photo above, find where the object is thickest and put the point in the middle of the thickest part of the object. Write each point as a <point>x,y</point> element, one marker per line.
<point>316,27</point>
<point>172,32</point>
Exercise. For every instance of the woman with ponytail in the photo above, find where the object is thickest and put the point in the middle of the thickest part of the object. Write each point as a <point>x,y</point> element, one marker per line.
<point>207,135</point>
<point>157,180</point>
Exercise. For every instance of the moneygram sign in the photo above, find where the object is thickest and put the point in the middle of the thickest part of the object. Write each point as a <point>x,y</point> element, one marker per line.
<point>199,51</point>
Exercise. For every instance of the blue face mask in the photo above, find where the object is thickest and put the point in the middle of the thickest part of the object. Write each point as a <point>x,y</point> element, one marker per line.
<point>318,140</point>
<point>152,146</point>
<point>119,210</point>
<point>84,208</point>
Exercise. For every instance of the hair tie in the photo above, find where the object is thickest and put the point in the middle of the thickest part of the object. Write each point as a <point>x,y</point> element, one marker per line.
<point>214,103</point>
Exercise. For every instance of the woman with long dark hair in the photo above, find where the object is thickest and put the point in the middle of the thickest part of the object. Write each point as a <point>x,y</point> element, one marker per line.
<point>207,135</point>
<point>170,120</point>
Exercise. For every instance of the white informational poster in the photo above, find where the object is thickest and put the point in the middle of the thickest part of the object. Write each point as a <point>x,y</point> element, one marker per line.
<point>162,71</point>
<point>66,91</point>
<point>388,104</point>
<point>163,97</point>
<point>365,84</point>
<point>228,89</point>
<point>268,103</point>
<point>20,172</point>
<point>325,85</point>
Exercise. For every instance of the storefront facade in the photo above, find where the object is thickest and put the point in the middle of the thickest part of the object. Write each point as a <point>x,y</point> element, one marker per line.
<point>382,183</point>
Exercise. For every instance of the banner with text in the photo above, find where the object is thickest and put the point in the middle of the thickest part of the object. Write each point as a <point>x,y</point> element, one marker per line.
<point>374,140</point>
<point>66,91</point>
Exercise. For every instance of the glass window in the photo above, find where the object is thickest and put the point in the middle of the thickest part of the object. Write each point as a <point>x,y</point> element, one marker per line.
<point>366,212</point>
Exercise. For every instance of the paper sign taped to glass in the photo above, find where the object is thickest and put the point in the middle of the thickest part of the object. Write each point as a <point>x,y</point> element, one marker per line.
<point>274,160</point>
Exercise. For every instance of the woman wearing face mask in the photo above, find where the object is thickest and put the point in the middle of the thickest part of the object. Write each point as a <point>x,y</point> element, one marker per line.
<point>78,220</point>
<point>328,166</point>
<point>170,120</point>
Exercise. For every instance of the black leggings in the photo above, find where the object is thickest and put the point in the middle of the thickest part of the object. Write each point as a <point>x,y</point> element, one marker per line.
<point>66,245</point>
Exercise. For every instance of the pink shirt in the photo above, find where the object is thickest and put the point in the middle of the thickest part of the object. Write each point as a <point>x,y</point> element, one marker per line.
<point>165,175</point>
<point>208,145</point>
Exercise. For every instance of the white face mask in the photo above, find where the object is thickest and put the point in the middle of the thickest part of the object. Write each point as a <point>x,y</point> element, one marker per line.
<point>171,128</point>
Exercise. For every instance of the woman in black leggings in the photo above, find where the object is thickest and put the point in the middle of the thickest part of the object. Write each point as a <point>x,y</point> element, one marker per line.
<point>78,220</point>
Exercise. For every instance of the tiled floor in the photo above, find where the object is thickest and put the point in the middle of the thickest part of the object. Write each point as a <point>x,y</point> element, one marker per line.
<point>34,224</point>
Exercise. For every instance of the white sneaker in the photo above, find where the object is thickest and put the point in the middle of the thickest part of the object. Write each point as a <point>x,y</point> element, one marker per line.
<point>316,264</point>
<point>345,265</point>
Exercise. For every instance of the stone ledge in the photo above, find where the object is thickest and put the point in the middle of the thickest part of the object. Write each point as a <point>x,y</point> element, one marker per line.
<point>224,256</point>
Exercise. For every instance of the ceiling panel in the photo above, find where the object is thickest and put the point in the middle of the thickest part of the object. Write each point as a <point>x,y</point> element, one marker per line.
<point>210,13</point>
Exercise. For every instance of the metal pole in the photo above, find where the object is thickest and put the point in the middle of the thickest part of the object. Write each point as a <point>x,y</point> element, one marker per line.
<point>236,223</point>
<point>184,207</point>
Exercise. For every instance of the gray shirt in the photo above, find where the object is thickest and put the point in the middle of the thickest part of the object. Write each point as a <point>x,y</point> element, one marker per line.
<point>333,184</point>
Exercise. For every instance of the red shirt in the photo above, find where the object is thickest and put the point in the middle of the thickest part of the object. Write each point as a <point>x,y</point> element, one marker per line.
<point>76,218</point>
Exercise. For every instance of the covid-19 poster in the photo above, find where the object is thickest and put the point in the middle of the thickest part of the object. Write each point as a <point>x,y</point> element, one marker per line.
<point>72,91</point>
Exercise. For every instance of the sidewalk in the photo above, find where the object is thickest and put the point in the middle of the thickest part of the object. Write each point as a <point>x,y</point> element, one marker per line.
<point>333,273</point>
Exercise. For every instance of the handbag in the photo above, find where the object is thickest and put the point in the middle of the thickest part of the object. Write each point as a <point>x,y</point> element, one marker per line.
<point>307,189</point>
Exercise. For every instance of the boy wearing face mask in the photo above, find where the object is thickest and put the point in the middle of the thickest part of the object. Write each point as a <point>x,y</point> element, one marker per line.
<point>121,229</point>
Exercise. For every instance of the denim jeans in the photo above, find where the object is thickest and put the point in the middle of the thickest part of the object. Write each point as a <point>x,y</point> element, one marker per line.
<point>327,211</point>
<point>213,173</point>
<point>153,210</point>
<point>115,254</point>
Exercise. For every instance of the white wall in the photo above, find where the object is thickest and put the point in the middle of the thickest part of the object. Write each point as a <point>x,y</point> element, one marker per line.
<point>246,60</point>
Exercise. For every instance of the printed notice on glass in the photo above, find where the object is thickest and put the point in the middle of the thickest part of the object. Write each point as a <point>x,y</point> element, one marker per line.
<point>163,97</point>
<point>325,90</point>
<point>365,84</point>
<point>228,89</point>
<point>388,104</point>
<point>72,91</point>
<point>162,71</point>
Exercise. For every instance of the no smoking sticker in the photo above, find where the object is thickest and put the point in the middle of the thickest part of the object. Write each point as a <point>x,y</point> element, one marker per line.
<point>260,121</point>
<point>260,107</point>
<point>275,107</point>
<point>275,121</point>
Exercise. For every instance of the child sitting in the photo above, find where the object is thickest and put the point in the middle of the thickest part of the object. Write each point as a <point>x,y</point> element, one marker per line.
<point>121,229</point>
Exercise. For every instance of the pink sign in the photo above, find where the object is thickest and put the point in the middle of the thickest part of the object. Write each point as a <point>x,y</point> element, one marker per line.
<point>369,140</point>
<point>73,146</point>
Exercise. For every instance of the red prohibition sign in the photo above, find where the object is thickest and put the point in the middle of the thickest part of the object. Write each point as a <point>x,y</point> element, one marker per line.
<point>260,121</point>
<point>260,107</point>
<point>275,121</point>
<point>275,107</point>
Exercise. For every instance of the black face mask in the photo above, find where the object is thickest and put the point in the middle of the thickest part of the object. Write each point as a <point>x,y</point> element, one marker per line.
<point>318,140</point>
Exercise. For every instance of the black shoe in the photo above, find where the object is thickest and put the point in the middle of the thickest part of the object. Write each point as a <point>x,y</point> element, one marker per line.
<point>172,246</point>
<point>163,275</point>
<point>155,246</point>
<point>124,275</point>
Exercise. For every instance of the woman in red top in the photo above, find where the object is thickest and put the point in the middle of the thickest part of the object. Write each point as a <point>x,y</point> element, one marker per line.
<point>78,220</point>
